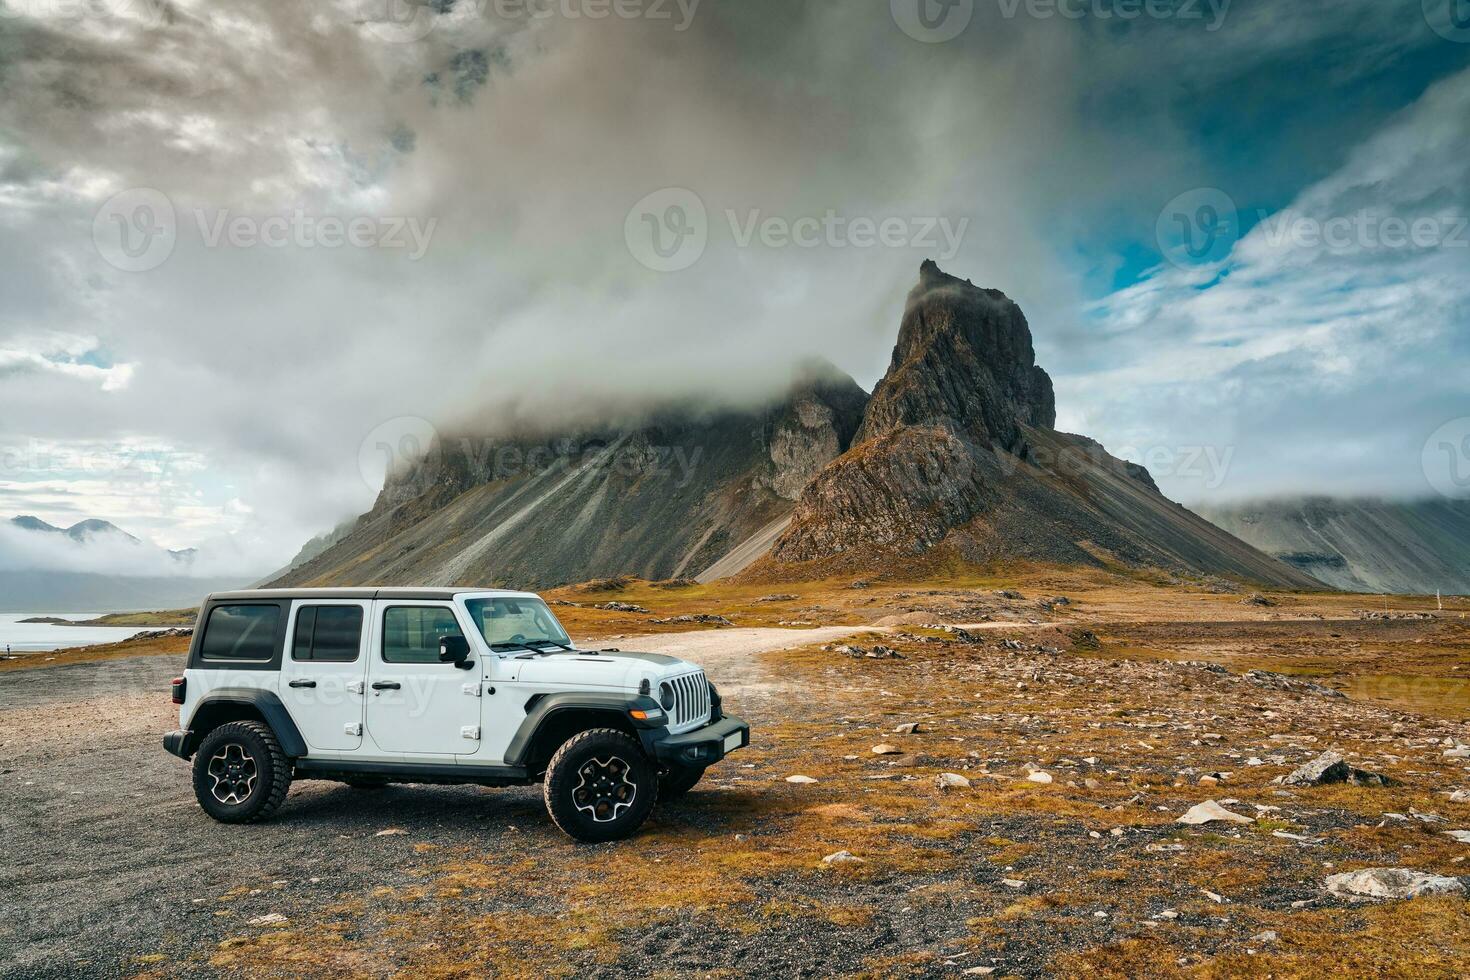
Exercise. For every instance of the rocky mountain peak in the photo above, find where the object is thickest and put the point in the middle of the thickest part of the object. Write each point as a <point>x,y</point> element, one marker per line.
<point>964,360</point>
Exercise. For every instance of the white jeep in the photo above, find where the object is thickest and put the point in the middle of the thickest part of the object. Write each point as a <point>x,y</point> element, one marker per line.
<point>378,686</point>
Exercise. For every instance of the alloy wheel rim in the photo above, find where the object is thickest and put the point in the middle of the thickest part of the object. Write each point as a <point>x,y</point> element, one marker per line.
<point>233,772</point>
<point>605,788</point>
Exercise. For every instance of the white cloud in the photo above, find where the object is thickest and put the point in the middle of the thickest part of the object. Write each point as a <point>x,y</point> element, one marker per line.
<point>1324,366</point>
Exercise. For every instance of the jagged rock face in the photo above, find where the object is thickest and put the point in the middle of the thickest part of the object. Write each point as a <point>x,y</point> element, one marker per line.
<point>814,428</point>
<point>964,354</point>
<point>904,492</point>
<point>957,449</point>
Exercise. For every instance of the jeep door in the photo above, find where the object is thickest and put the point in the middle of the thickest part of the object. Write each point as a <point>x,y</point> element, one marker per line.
<point>322,672</point>
<point>417,705</point>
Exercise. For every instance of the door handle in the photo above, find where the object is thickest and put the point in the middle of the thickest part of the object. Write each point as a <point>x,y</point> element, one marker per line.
<point>303,684</point>
<point>386,685</point>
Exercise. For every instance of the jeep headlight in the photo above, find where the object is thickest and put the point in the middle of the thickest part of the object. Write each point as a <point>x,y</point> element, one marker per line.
<point>666,696</point>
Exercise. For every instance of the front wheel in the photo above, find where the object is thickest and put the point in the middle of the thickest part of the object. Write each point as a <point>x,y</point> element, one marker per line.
<point>678,781</point>
<point>600,786</point>
<point>240,773</point>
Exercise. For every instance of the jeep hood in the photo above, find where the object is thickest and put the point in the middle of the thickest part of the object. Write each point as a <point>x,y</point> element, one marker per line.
<point>599,671</point>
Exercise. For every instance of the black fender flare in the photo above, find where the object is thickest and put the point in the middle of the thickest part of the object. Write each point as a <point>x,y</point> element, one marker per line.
<point>546,707</point>
<point>271,709</point>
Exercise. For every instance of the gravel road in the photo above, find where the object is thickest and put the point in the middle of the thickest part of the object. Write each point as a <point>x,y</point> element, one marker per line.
<point>108,863</point>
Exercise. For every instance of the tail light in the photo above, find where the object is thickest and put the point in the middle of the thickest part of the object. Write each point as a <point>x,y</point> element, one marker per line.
<point>176,689</point>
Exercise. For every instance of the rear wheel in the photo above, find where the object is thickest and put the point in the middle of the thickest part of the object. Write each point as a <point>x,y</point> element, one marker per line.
<point>678,780</point>
<point>600,786</point>
<point>240,773</point>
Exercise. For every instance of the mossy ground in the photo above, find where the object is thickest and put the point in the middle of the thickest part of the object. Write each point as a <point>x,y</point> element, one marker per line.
<point>730,881</point>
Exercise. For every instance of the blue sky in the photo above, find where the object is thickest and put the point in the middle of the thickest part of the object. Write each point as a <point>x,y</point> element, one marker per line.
<point>246,362</point>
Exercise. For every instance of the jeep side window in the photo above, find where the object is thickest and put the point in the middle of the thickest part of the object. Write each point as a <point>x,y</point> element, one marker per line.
<point>240,633</point>
<point>327,634</point>
<point>411,633</point>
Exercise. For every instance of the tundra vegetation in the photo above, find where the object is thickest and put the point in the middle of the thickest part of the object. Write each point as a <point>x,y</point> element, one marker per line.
<point>1039,733</point>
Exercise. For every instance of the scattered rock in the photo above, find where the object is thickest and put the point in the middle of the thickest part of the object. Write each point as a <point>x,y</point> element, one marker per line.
<point>951,780</point>
<point>1210,812</point>
<point>1331,767</point>
<point>1256,599</point>
<point>1265,938</point>
<point>1013,883</point>
<point>886,749</point>
<point>392,832</point>
<point>843,857</point>
<point>1280,682</point>
<point>1008,594</point>
<point>1085,640</point>
<point>270,919</point>
<point>907,728</point>
<point>691,618</point>
<point>800,780</point>
<point>781,597</point>
<point>1040,777</point>
<point>1463,836</point>
<point>1395,883</point>
<point>626,607</point>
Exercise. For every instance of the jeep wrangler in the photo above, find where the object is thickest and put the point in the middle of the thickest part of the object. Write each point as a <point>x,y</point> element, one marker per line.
<point>376,686</point>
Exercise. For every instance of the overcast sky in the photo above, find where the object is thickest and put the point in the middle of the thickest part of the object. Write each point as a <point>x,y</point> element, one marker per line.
<point>239,240</point>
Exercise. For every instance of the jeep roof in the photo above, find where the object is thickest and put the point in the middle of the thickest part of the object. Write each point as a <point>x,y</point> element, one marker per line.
<point>361,593</point>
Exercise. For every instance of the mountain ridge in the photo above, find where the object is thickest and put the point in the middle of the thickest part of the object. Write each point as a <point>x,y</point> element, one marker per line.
<point>1366,544</point>
<point>954,452</point>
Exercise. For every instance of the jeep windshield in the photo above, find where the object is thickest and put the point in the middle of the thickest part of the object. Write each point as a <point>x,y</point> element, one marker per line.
<point>511,623</point>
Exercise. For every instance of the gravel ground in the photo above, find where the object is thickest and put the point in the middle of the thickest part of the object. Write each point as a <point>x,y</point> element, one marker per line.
<point>108,857</point>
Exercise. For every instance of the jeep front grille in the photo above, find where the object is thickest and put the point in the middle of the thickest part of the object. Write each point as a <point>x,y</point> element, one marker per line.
<point>691,699</point>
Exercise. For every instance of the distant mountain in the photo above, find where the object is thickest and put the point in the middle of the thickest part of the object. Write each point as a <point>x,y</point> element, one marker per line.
<point>1413,547</point>
<point>95,566</point>
<point>954,454</point>
<point>81,531</point>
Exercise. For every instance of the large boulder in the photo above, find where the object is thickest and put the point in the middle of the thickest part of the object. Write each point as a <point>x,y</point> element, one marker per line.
<point>1391,883</point>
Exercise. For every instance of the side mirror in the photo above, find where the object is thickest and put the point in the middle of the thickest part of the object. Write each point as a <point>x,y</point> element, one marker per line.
<point>455,650</point>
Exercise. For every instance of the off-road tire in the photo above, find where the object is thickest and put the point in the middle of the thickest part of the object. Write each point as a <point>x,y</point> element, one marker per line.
<point>678,780</point>
<point>260,786</point>
<point>600,786</point>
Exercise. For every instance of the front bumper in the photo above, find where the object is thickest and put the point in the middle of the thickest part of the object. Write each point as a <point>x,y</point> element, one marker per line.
<point>703,746</point>
<point>176,743</point>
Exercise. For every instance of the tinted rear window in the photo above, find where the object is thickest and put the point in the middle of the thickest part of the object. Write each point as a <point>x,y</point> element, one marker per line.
<point>327,633</point>
<point>240,633</point>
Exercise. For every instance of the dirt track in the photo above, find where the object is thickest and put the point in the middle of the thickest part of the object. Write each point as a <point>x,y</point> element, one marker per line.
<point>108,859</point>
